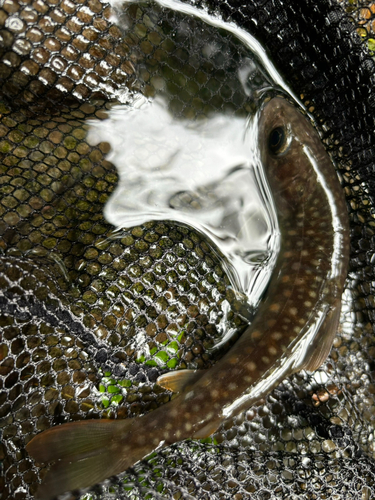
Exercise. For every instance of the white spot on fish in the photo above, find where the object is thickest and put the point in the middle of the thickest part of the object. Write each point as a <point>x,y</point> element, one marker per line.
<point>275,307</point>
<point>256,334</point>
<point>272,350</point>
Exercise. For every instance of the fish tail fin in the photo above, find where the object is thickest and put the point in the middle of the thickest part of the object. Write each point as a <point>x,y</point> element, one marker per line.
<point>84,453</point>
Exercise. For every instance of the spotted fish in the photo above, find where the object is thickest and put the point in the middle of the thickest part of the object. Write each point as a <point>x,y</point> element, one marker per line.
<point>293,329</point>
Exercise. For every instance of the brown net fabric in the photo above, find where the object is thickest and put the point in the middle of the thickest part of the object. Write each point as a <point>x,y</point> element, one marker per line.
<point>89,319</point>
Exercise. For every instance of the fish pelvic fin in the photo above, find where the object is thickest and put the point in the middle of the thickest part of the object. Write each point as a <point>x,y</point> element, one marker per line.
<point>208,429</point>
<point>179,380</point>
<point>84,453</point>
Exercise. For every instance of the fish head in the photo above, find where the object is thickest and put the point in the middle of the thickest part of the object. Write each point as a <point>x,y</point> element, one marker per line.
<point>287,143</point>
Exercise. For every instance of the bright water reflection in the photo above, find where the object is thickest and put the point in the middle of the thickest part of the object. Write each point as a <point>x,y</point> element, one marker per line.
<point>206,174</point>
<point>199,166</point>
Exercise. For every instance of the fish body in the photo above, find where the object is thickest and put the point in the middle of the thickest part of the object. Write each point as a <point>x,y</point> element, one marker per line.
<point>293,329</point>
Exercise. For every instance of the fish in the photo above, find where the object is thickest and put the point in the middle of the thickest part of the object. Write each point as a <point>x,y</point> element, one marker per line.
<point>293,329</point>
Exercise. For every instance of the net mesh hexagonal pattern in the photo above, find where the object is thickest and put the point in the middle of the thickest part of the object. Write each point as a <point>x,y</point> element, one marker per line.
<point>89,318</point>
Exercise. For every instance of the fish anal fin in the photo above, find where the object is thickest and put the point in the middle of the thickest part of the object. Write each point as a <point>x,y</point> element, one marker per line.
<point>208,429</point>
<point>179,380</point>
<point>321,345</point>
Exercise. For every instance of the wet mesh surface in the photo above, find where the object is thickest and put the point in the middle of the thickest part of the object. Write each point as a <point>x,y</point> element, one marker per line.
<point>89,319</point>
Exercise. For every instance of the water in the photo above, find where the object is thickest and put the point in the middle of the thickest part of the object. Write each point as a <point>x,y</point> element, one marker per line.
<point>186,148</point>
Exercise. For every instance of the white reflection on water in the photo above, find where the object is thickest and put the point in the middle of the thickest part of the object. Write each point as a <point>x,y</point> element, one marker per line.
<point>206,174</point>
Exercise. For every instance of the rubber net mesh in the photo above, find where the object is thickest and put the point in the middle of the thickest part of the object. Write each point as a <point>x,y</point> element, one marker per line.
<point>89,319</point>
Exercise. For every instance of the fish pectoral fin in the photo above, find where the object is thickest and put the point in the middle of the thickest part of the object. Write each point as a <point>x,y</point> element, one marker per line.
<point>179,380</point>
<point>208,429</point>
<point>322,343</point>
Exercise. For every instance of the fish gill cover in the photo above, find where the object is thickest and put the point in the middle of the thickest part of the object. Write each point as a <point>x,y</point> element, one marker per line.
<point>73,300</point>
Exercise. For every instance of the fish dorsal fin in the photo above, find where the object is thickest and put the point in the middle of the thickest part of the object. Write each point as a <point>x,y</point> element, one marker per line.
<point>321,345</point>
<point>180,379</point>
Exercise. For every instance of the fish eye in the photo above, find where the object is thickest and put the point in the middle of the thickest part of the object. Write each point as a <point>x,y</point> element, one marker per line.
<point>278,141</point>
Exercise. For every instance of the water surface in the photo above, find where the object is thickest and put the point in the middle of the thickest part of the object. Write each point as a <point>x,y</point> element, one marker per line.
<point>186,149</point>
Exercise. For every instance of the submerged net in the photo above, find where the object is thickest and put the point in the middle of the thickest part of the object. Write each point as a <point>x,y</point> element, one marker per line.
<point>89,319</point>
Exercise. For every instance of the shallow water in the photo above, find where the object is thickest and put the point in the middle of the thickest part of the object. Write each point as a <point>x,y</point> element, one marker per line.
<point>182,156</point>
